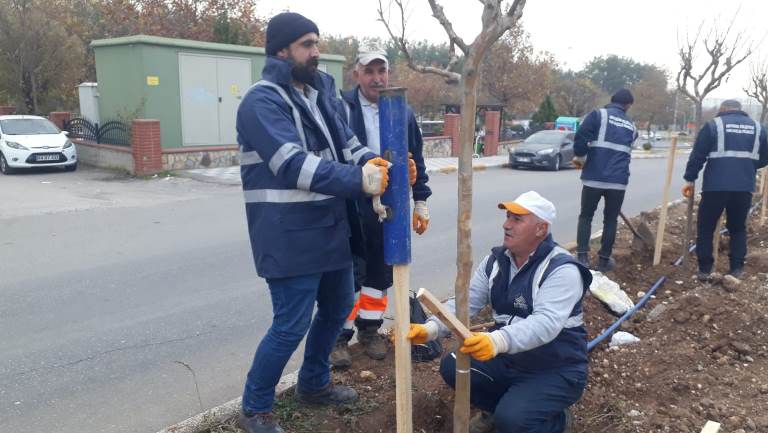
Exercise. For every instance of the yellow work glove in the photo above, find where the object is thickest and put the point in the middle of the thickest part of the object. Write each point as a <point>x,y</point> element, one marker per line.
<point>420,217</point>
<point>479,346</point>
<point>578,162</point>
<point>411,170</point>
<point>376,176</point>
<point>418,334</point>
<point>688,190</point>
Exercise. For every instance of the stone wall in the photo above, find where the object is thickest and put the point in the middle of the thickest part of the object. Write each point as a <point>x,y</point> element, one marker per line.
<point>104,155</point>
<point>437,147</point>
<point>185,159</point>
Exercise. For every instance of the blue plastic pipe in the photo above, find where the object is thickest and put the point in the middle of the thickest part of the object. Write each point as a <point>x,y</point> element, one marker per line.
<point>393,123</point>
<point>597,340</point>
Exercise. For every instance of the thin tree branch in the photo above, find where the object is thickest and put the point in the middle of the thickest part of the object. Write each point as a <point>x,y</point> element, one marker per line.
<point>439,14</point>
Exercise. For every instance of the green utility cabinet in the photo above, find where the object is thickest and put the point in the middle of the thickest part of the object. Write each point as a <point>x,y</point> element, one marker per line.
<point>193,88</point>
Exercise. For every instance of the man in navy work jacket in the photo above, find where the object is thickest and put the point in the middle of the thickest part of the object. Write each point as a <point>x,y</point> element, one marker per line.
<point>605,139</point>
<point>733,146</point>
<point>532,366</point>
<point>373,275</point>
<point>299,166</point>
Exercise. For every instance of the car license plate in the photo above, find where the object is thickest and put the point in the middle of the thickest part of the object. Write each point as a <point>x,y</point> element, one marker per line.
<point>521,159</point>
<point>47,158</point>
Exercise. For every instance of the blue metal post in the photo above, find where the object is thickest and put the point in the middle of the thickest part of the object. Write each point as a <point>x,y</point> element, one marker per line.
<point>393,129</point>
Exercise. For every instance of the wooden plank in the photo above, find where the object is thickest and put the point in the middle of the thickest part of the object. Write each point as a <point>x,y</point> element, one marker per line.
<point>404,408</point>
<point>433,304</point>
<point>711,427</point>
<point>664,203</point>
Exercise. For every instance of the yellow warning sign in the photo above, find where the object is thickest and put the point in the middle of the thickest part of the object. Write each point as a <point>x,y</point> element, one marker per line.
<point>153,80</point>
<point>233,90</point>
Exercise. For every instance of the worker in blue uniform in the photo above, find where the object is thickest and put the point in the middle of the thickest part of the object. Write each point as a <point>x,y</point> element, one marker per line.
<point>532,365</point>
<point>733,147</point>
<point>603,148</point>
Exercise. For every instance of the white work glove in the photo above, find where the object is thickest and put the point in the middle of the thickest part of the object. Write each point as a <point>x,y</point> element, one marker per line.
<point>376,176</point>
<point>420,217</point>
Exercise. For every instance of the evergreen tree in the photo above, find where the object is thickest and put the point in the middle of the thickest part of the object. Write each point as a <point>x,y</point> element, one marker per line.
<point>546,113</point>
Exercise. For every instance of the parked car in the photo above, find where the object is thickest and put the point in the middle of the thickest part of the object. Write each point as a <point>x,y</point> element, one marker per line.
<point>544,149</point>
<point>32,141</point>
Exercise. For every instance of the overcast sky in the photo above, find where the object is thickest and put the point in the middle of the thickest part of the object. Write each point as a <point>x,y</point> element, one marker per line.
<point>574,31</point>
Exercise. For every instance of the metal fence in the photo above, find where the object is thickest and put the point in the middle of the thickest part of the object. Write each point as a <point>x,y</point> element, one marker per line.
<point>112,132</point>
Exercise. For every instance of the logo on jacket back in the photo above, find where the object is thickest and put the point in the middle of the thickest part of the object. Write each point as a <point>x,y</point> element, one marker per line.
<point>621,123</point>
<point>737,128</point>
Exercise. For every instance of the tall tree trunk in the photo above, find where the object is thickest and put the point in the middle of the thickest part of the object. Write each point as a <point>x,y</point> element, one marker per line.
<point>764,107</point>
<point>464,235</point>
<point>699,115</point>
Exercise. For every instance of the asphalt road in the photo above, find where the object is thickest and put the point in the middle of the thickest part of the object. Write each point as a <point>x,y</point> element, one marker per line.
<point>110,286</point>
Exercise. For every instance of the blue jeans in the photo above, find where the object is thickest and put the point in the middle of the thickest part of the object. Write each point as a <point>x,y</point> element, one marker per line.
<point>293,300</point>
<point>521,401</point>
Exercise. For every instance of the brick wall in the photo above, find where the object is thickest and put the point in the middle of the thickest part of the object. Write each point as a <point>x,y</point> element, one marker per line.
<point>146,147</point>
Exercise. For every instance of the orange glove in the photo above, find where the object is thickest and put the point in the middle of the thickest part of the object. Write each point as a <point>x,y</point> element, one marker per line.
<point>411,170</point>
<point>420,217</point>
<point>688,190</point>
<point>418,334</point>
<point>578,162</point>
<point>479,346</point>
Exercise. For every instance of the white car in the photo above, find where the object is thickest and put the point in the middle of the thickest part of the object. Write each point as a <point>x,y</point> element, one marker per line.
<point>33,141</point>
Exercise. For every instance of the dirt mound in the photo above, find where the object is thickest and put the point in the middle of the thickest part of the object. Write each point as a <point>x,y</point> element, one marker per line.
<point>702,355</point>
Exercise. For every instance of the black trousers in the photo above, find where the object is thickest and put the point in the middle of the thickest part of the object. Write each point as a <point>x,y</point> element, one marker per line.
<point>590,197</point>
<point>736,205</point>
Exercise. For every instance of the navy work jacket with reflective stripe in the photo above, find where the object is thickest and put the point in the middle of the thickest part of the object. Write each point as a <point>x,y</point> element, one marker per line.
<point>733,146</point>
<point>606,138</point>
<point>296,196</point>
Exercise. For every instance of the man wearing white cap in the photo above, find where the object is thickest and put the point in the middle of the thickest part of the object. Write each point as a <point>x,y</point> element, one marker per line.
<point>372,275</point>
<point>532,366</point>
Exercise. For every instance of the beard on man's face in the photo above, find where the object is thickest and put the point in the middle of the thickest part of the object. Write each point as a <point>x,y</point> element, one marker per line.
<point>305,72</point>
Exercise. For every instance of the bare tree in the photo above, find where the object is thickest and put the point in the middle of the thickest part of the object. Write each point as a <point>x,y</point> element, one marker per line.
<point>723,54</point>
<point>496,21</point>
<point>758,88</point>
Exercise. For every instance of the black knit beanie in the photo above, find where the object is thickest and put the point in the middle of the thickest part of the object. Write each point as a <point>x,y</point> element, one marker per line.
<point>623,97</point>
<point>283,29</point>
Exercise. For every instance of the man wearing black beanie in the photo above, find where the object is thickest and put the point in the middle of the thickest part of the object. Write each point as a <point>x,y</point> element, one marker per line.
<point>301,167</point>
<point>603,147</point>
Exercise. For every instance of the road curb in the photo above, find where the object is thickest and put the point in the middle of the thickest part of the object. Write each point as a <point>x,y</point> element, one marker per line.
<point>476,167</point>
<point>217,415</point>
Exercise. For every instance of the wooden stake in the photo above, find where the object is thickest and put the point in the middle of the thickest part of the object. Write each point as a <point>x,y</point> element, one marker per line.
<point>664,202</point>
<point>711,427</point>
<point>716,242</point>
<point>764,212</point>
<point>688,224</point>
<point>438,309</point>
<point>400,276</point>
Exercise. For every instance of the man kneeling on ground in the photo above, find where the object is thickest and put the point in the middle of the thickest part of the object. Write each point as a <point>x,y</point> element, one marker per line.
<point>532,366</point>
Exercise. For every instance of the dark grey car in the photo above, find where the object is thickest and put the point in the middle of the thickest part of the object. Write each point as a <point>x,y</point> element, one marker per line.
<point>544,149</point>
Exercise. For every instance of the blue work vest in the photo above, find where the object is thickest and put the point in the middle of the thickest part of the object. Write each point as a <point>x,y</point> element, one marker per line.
<point>609,153</point>
<point>516,298</point>
<point>735,148</point>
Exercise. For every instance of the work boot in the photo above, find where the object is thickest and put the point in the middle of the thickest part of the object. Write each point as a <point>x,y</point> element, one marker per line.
<point>605,264</point>
<point>583,258</point>
<point>374,344</point>
<point>331,395</point>
<point>568,421</point>
<point>703,276</point>
<point>736,273</point>
<point>482,422</point>
<point>259,423</point>
<point>340,356</point>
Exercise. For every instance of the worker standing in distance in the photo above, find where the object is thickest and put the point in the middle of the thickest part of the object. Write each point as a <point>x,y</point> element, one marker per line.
<point>603,148</point>
<point>733,147</point>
